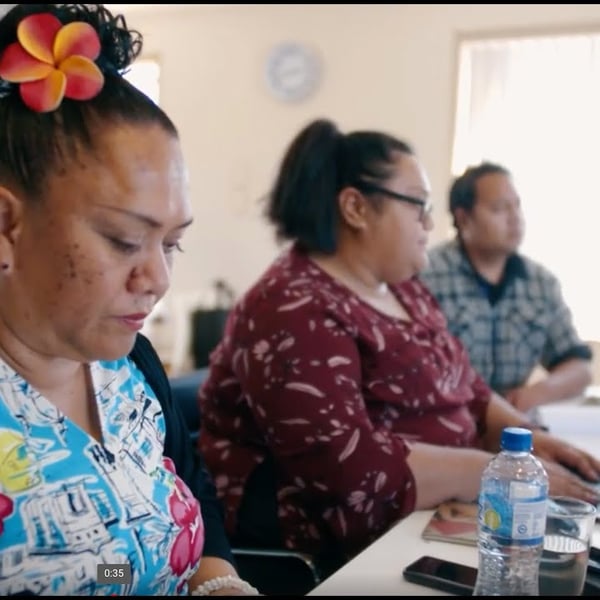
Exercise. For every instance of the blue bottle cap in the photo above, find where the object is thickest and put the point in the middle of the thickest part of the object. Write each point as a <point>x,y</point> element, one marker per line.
<point>516,439</point>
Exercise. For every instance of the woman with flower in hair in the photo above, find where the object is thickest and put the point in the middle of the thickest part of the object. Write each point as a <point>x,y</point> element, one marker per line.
<point>100,493</point>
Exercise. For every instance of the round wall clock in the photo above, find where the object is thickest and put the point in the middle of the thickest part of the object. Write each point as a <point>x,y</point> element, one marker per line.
<point>292,71</point>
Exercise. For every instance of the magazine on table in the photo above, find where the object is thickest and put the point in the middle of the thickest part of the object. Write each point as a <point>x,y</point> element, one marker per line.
<point>453,521</point>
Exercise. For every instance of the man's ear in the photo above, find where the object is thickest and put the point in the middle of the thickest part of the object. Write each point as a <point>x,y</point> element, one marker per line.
<point>353,208</point>
<point>462,218</point>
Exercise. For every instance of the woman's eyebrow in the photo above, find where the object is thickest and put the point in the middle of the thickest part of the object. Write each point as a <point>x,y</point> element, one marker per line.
<point>147,220</point>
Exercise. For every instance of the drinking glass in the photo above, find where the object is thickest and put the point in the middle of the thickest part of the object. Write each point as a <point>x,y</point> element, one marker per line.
<point>567,540</point>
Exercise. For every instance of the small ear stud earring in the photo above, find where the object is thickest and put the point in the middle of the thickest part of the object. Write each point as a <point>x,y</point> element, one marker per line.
<point>4,266</point>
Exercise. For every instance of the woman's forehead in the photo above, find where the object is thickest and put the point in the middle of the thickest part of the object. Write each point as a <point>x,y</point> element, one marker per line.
<point>410,173</point>
<point>126,172</point>
<point>127,160</point>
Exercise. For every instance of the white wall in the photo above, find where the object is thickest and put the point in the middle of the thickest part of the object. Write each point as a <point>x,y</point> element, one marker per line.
<point>389,67</point>
<point>385,66</point>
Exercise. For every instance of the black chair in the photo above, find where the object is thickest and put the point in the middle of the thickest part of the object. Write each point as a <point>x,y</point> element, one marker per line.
<point>277,572</point>
<point>185,392</point>
<point>273,571</point>
<point>208,325</point>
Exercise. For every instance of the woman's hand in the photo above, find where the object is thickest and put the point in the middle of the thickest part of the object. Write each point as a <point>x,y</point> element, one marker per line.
<point>570,469</point>
<point>218,577</point>
<point>564,483</point>
<point>230,592</point>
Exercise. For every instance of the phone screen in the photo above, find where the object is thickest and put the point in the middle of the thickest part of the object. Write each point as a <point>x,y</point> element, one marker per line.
<point>443,575</point>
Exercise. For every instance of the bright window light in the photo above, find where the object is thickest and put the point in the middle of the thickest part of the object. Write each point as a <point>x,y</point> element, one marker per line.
<point>532,104</point>
<point>145,75</point>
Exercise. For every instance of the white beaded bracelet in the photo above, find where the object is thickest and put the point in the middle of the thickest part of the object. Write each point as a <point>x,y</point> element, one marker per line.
<point>225,581</point>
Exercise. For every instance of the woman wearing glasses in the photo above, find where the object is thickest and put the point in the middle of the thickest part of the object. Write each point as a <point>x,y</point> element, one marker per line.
<point>337,401</point>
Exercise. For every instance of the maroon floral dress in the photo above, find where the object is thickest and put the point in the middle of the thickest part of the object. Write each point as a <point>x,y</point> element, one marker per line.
<point>337,392</point>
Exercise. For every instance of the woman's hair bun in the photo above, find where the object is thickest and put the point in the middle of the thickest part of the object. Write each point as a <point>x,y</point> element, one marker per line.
<point>120,45</point>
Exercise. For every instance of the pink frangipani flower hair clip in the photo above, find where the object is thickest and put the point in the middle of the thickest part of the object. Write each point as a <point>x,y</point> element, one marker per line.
<point>51,61</point>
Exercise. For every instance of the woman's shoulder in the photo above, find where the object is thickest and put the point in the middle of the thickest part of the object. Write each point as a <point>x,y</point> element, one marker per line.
<point>420,301</point>
<point>291,281</point>
<point>415,289</point>
<point>293,293</point>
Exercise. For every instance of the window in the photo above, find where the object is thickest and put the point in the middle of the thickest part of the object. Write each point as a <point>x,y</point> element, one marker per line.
<point>532,104</point>
<point>145,75</point>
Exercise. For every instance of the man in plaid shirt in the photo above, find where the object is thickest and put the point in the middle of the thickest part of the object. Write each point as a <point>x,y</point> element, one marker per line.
<point>506,309</point>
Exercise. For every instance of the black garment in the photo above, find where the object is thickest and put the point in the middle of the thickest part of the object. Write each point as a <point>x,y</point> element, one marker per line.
<point>515,267</point>
<point>258,524</point>
<point>178,446</point>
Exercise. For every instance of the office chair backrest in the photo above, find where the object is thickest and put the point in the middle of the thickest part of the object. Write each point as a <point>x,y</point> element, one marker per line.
<point>208,325</point>
<point>273,571</point>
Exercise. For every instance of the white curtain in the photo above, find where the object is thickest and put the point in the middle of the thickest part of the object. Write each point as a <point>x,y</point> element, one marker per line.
<point>533,105</point>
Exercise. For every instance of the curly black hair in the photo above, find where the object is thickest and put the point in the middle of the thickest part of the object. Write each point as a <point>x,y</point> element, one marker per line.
<point>34,144</point>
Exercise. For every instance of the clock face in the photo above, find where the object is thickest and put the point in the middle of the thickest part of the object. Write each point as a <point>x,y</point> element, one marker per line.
<point>292,71</point>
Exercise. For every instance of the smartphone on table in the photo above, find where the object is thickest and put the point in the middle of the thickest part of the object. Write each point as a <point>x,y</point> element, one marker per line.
<point>458,579</point>
<point>443,575</point>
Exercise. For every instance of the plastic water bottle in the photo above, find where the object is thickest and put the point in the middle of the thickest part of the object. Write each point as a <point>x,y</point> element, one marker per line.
<point>511,519</point>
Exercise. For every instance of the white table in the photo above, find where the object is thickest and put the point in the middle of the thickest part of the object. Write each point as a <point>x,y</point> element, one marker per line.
<point>377,571</point>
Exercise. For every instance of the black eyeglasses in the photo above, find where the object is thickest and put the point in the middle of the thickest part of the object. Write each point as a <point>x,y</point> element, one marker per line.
<point>425,207</point>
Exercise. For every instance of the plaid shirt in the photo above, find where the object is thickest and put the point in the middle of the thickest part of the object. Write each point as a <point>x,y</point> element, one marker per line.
<point>510,328</point>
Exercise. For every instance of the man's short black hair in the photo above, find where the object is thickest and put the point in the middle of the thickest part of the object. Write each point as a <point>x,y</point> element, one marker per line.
<point>462,190</point>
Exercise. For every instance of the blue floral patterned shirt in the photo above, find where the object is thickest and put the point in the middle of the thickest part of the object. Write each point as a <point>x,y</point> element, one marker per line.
<point>69,503</point>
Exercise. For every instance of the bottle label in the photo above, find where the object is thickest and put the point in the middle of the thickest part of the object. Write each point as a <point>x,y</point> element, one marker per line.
<point>519,518</point>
